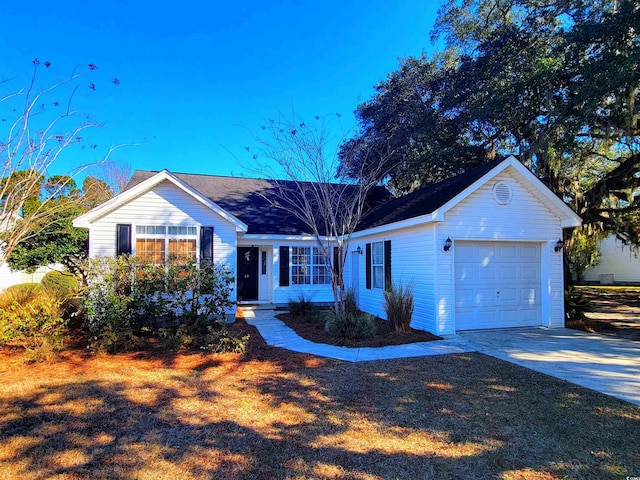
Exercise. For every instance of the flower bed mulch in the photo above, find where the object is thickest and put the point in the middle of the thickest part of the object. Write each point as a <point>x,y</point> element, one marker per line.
<point>315,332</point>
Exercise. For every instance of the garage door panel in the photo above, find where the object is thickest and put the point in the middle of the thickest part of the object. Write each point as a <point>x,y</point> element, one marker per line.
<point>497,285</point>
<point>530,253</point>
<point>465,297</point>
<point>529,296</point>
<point>529,272</point>
<point>507,295</point>
<point>508,273</point>
<point>507,253</point>
<point>486,252</point>
<point>464,249</point>
<point>488,273</point>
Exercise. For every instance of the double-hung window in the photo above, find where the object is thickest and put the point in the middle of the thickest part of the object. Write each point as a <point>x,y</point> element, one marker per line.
<point>309,266</point>
<point>377,264</point>
<point>159,243</point>
<point>378,261</point>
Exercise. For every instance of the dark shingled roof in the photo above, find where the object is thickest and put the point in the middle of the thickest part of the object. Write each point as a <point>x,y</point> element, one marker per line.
<point>245,199</point>
<point>426,200</point>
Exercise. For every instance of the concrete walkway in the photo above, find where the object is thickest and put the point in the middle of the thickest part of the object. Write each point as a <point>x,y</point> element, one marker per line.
<point>607,365</point>
<point>276,333</point>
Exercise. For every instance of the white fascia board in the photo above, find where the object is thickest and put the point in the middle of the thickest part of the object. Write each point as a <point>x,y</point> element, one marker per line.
<point>408,223</point>
<point>568,217</point>
<point>266,238</point>
<point>85,220</point>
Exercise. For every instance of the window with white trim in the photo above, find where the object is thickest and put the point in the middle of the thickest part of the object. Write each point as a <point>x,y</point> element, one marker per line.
<point>309,266</point>
<point>159,243</point>
<point>377,264</point>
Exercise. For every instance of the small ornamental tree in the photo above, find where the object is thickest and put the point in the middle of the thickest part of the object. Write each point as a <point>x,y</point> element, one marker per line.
<point>317,190</point>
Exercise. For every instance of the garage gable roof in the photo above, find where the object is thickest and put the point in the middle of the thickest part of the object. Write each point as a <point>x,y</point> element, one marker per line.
<point>432,202</point>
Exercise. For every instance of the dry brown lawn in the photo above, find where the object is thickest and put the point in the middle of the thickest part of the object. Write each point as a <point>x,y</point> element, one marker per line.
<point>273,414</point>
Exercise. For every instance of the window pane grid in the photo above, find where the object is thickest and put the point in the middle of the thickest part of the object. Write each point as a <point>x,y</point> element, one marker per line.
<point>153,242</point>
<point>377,264</point>
<point>175,230</point>
<point>150,250</point>
<point>182,249</point>
<point>309,266</point>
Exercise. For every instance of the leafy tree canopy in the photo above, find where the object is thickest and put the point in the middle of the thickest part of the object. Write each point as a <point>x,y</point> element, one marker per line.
<point>554,82</point>
<point>58,241</point>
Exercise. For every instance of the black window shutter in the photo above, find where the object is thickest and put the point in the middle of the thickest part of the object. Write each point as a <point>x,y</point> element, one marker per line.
<point>368,262</point>
<point>336,259</point>
<point>123,239</point>
<point>206,245</point>
<point>284,266</point>
<point>387,264</point>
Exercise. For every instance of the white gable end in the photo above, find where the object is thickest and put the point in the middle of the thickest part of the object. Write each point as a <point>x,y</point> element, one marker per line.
<point>164,204</point>
<point>525,216</point>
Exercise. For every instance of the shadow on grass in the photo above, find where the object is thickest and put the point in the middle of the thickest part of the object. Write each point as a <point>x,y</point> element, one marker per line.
<point>294,416</point>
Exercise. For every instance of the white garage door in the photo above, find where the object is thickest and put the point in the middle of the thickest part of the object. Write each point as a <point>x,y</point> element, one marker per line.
<point>497,285</point>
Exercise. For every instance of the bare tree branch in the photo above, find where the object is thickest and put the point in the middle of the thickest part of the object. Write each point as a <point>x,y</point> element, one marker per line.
<point>316,190</point>
<point>30,145</point>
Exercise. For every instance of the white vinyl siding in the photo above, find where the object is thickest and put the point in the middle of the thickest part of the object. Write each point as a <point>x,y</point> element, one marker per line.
<point>411,264</point>
<point>165,204</point>
<point>418,255</point>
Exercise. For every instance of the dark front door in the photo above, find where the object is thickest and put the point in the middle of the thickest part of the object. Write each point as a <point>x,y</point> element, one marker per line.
<point>248,273</point>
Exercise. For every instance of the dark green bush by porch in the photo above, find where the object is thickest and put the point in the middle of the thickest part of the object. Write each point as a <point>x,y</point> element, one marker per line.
<point>300,306</point>
<point>351,326</point>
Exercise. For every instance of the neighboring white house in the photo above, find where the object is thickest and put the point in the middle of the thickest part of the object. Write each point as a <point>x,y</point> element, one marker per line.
<point>618,264</point>
<point>10,277</point>
<point>480,249</point>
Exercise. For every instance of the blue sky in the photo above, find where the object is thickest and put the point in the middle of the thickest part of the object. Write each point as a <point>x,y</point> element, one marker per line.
<point>197,79</point>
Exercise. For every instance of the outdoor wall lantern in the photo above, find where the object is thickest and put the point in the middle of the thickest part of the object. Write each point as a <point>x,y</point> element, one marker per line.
<point>447,244</point>
<point>359,250</point>
<point>558,246</point>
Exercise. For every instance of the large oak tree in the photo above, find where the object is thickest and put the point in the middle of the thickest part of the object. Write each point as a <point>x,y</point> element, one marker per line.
<point>556,83</point>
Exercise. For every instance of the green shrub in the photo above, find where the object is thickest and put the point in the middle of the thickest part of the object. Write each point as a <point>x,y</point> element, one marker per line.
<point>351,326</point>
<point>127,299</point>
<point>110,320</point>
<point>398,304</point>
<point>301,307</point>
<point>61,284</point>
<point>575,305</point>
<point>31,317</point>
<point>349,303</point>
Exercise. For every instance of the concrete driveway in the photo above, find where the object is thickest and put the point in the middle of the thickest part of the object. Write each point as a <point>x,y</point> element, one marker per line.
<point>605,364</point>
